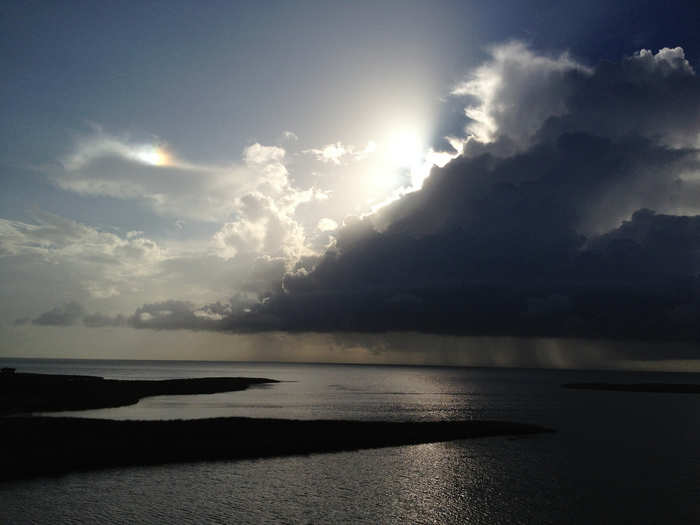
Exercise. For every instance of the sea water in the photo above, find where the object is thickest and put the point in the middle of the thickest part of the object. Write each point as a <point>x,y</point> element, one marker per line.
<point>617,457</point>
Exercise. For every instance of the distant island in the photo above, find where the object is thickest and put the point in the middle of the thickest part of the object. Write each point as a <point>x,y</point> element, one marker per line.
<point>35,446</point>
<point>675,388</point>
<point>22,393</point>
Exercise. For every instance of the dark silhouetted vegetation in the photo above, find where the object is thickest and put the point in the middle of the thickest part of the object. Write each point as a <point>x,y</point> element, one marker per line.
<point>26,393</point>
<point>55,445</point>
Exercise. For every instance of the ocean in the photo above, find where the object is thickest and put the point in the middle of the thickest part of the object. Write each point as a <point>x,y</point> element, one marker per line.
<point>617,457</point>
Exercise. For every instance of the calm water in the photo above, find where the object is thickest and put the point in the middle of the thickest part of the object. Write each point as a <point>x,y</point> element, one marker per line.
<point>616,458</point>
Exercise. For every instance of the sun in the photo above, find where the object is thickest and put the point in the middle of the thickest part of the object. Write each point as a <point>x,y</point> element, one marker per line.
<point>404,148</point>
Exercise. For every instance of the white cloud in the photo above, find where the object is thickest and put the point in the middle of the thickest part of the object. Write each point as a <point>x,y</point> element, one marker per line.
<point>53,238</point>
<point>54,260</point>
<point>183,191</point>
<point>263,227</point>
<point>260,155</point>
<point>104,165</point>
<point>327,225</point>
<point>339,153</point>
<point>268,163</point>
<point>517,91</point>
<point>329,153</point>
<point>254,203</point>
<point>665,61</point>
<point>101,145</point>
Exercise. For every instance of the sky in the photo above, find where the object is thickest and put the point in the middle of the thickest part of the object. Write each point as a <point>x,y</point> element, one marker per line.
<point>447,182</point>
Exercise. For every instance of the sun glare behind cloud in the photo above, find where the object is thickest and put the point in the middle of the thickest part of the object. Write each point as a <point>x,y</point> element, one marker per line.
<point>404,148</point>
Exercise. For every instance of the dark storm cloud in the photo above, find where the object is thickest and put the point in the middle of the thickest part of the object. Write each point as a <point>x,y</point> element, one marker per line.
<point>619,287</point>
<point>649,95</point>
<point>514,94</point>
<point>547,230</point>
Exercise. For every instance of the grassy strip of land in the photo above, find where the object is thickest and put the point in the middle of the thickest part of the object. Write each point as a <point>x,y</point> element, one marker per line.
<point>35,446</point>
<point>675,388</point>
<point>26,393</point>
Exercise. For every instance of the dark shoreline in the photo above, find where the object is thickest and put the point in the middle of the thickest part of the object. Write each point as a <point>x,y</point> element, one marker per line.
<point>671,388</point>
<point>22,393</point>
<point>40,446</point>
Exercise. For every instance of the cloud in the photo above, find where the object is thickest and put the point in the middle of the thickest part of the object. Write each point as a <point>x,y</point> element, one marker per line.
<point>667,61</point>
<point>517,98</point>
<point>104,259</point>
<point>516,91</point>
<point>254,205</point>
<point>101,145</point>
<point>64,315</point>
<point>573,220</point>
<point>261,228</point>
<point>53,260</point>
<point>169,314</point>
<point>544,227</point>
<point>481,251</point>
<point>268,157</point>
<point>255,201</point>
<point>339,153</point>
<point>265,223</point>
<point>180,191</point>
<point>325,224</point>
<point>153,175</point>
<point>329,153</point>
